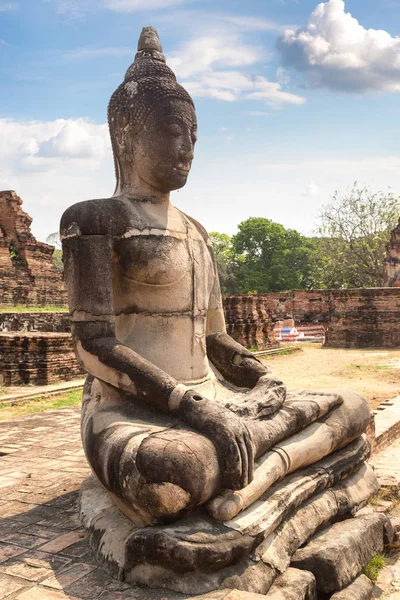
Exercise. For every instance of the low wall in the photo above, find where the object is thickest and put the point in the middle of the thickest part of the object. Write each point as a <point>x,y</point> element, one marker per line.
<point>248,322</point>
<point>304,306</point>
<point>37,358</point>
<point>35,321</point>
<point>365,318</point>
<point>354,318</point>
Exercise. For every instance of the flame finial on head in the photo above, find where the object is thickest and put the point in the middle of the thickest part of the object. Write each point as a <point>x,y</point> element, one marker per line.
<point>149,40</point>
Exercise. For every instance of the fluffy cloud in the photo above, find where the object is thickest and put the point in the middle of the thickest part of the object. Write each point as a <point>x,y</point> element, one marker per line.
<point>204,53</point>
<point>52,164</point>
<point>335,51</point>
<point>74,140</point>
<point>203,63</point>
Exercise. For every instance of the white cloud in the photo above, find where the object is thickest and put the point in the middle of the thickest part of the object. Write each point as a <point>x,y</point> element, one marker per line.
<point>204,53</point>
<point>311,190</point>
<point>233,85</point>
<point>74,140</point>
<point>7,6</point>
<point>54,164</point>
<point>203,65</point>
<point>82,53</point>
<point>334,51</point>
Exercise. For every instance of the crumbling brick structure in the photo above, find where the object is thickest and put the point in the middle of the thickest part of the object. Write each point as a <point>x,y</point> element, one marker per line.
<point>392,262</point>
<point>37,358</point>
<point>248,322</point>
<point>27,273</point>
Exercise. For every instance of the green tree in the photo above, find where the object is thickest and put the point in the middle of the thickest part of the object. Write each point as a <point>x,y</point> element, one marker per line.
<point>225,259</point>
<point>354,229</point>
<point>54,240</point>
<point>270,258</point>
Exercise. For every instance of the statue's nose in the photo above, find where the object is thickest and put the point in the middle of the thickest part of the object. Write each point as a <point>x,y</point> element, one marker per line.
<point>189,154</point>
<point>187,148</point>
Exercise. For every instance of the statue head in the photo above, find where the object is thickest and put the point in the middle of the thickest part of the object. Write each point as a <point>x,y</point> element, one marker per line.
<point>152,122</point>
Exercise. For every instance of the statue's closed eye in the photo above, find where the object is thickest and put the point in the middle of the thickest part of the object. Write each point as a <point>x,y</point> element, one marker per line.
<point>175,129</point>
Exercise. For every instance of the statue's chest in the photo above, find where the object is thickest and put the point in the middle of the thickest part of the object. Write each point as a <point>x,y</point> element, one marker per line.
<point>163,273</point>
<point>155,260</point>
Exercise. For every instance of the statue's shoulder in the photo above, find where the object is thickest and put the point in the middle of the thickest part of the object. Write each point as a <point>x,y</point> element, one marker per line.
<point>100,216</point>
<point>202,230</point>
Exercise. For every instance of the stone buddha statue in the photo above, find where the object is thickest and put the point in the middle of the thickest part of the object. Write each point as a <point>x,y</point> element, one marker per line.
<point>176,414</point>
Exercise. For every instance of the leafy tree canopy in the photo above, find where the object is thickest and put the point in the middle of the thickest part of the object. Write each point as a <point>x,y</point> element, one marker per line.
<point>354,229</point>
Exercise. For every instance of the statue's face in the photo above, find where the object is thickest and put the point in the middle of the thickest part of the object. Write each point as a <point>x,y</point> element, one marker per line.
<point>164,147</point>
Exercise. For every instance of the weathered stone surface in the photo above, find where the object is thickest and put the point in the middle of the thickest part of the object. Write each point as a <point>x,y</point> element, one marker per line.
<point>282,498</point>
<point>313,443</point>
<point>293,585</point>
<point>338,554</point>
<point>27,273</point>
<point>191,556</point>
<point>278,548</point>
<point>360,589</point>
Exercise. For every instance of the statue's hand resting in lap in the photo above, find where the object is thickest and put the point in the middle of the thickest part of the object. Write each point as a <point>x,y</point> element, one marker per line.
<point>262,401</point>
<point>229,434</point>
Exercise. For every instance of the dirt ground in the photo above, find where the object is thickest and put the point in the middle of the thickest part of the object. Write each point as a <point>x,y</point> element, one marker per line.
<point>374,373</point>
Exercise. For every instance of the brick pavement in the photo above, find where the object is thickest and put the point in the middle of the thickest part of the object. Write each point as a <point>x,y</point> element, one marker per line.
<point>44,552</point>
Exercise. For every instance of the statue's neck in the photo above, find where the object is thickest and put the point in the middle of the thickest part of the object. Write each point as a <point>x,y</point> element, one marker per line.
<point>138,189</point>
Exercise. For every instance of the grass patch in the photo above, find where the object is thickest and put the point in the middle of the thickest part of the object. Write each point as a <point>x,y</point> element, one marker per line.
<point>374,566</point>
<point>287,351</point>
<point>280,352</point>
<point>22,309</point>
<point>39,404</point>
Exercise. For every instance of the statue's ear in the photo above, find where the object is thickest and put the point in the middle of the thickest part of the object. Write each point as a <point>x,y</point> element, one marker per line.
<point>117,166</point>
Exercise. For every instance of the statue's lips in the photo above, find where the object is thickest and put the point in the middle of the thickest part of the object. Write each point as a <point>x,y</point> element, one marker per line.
<point>181,170</point>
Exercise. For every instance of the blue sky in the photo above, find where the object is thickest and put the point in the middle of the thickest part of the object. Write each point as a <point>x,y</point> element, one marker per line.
<point>294,100</point>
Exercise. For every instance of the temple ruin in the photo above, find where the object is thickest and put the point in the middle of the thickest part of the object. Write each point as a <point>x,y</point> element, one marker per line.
<point>392,262</point>
<point>27,273</point>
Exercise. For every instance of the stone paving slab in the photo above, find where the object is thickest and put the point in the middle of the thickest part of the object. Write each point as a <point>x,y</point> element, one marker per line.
<point>387,423</point>
<point>387,465</point>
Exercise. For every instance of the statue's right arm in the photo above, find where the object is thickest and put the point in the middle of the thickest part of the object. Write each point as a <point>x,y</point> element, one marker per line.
<point>87,261</point>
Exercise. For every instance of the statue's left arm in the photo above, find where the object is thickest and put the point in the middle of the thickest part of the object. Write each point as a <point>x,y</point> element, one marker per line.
<point>238,365</point>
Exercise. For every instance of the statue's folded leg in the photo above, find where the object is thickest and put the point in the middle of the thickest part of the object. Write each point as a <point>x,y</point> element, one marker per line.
<point>153,467</point>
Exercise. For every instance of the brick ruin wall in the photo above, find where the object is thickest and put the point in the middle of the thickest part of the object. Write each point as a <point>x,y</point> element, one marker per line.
<point>392,262</point>
<point>365,318</point>
<point>249,322</point>
<point>56,322</point>
<point>353,318</point>
<point>27,273</point>
<point>37,358</point>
